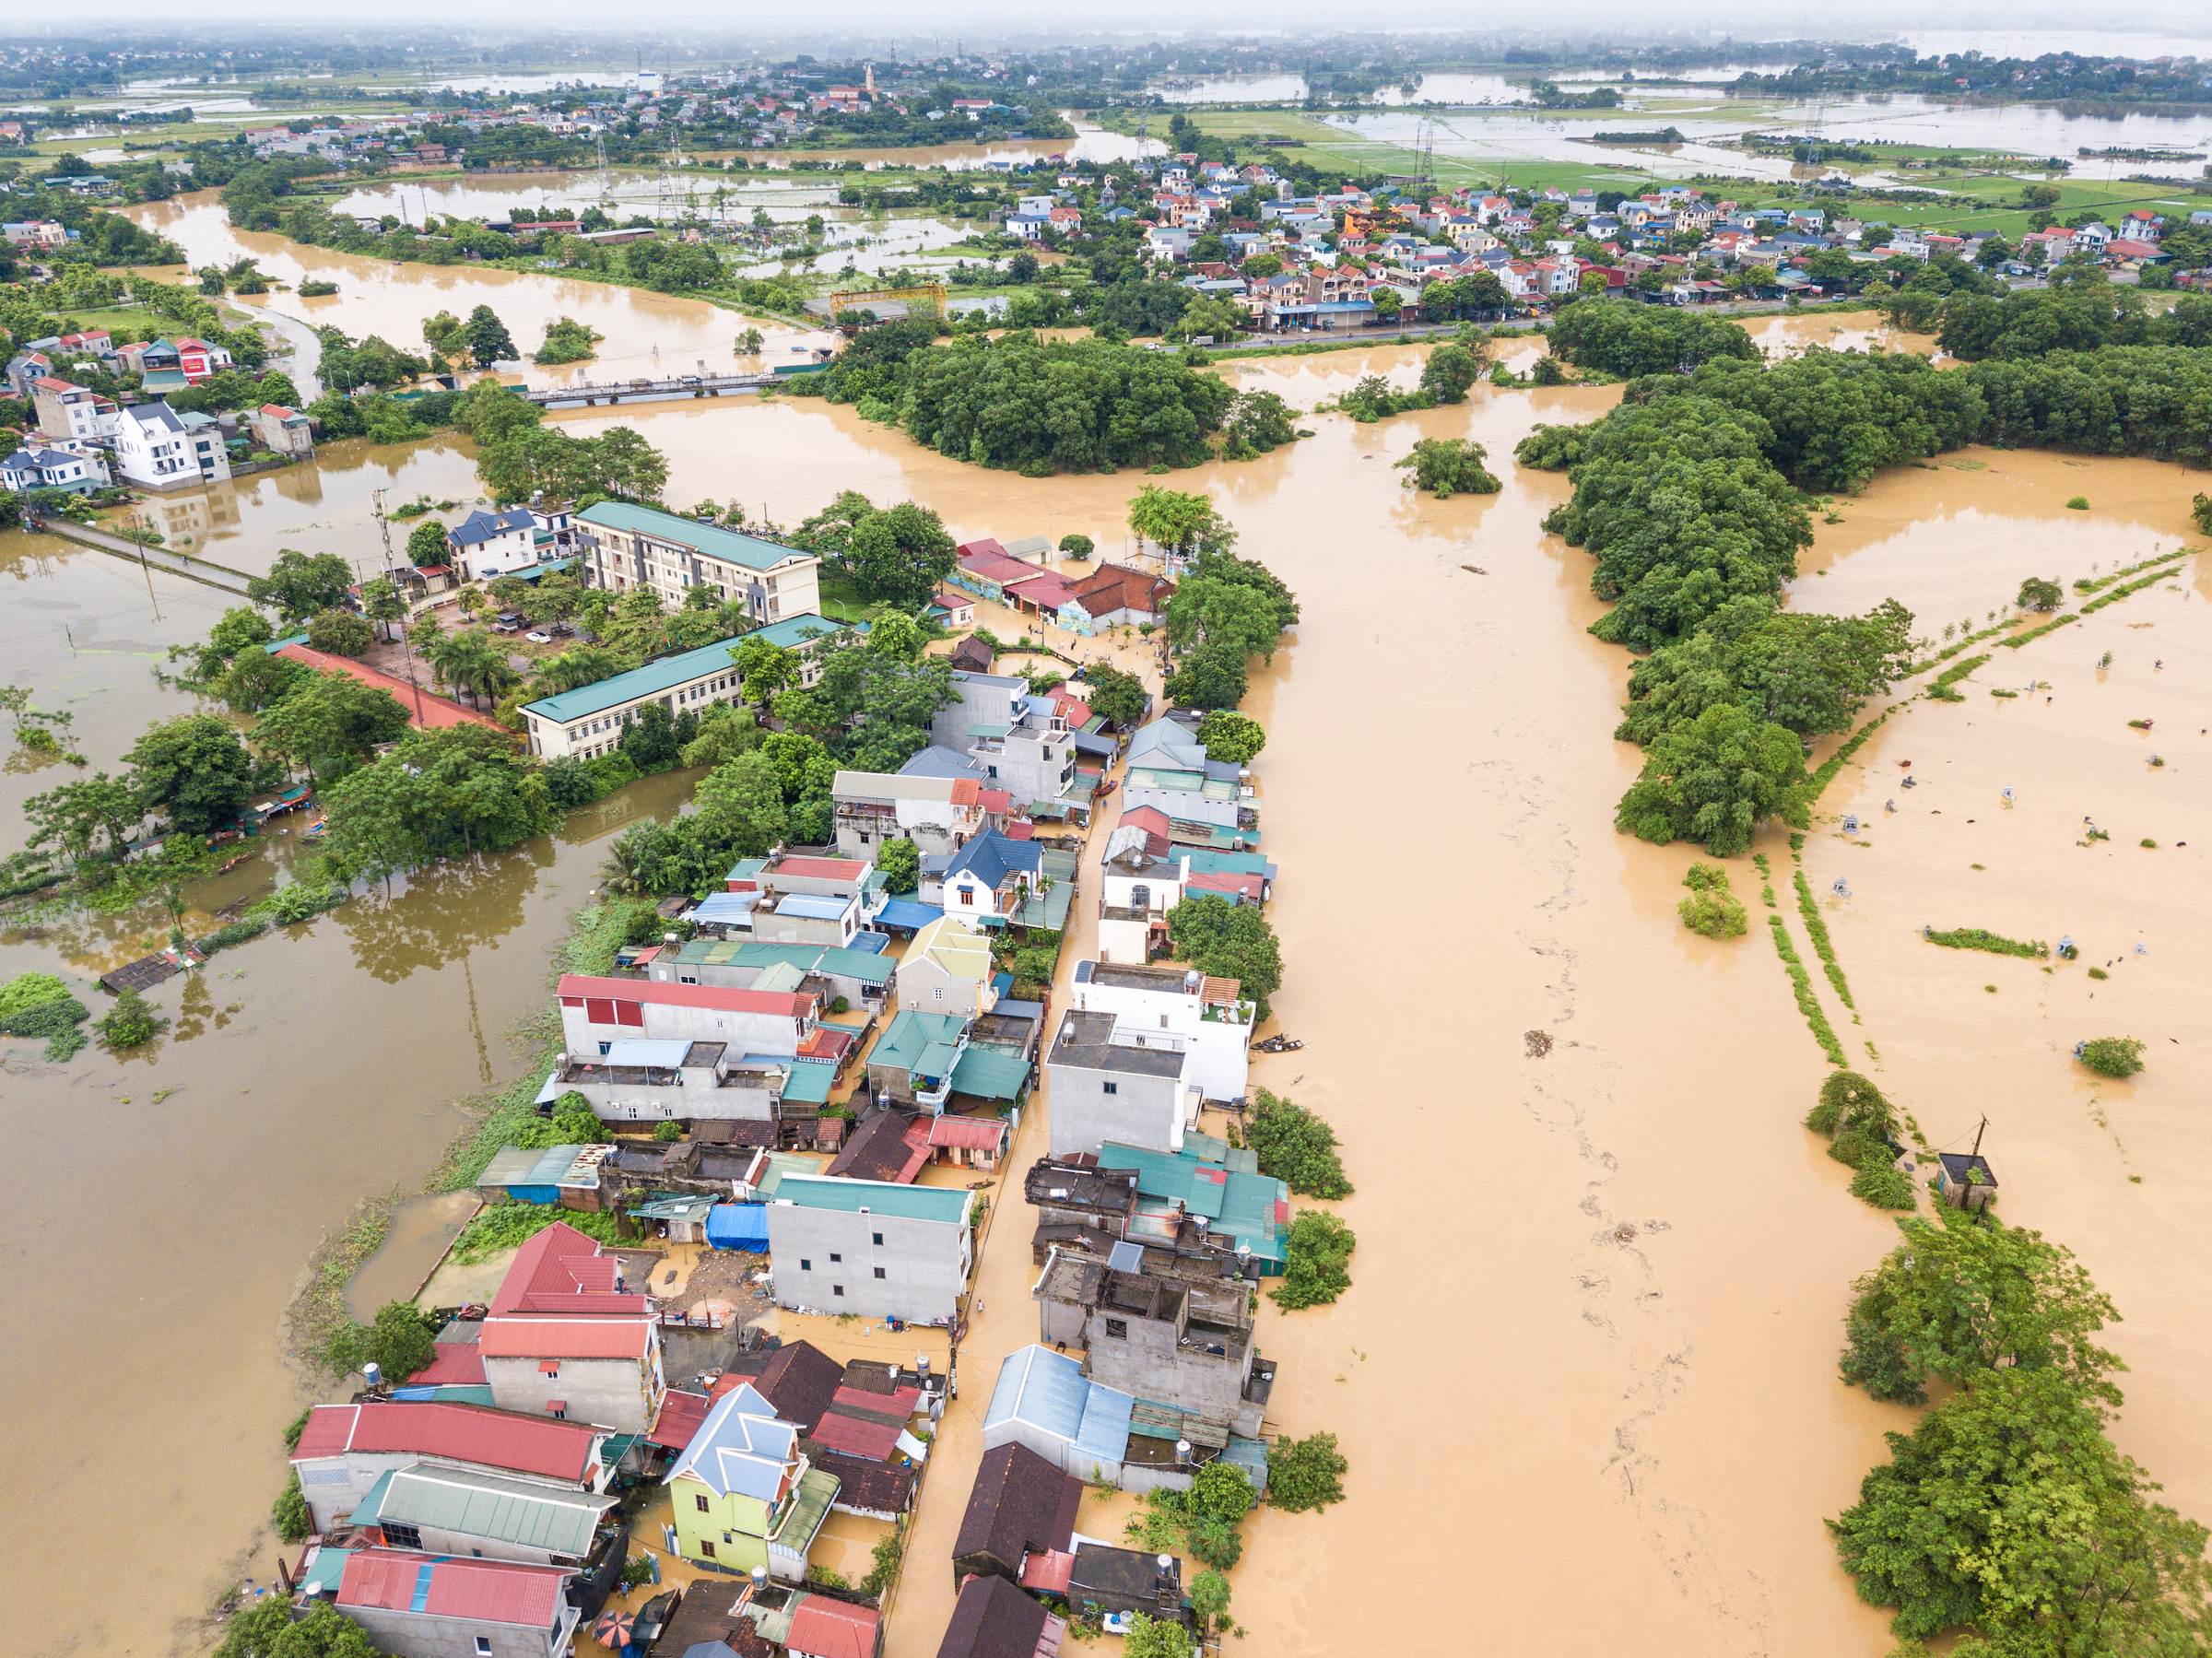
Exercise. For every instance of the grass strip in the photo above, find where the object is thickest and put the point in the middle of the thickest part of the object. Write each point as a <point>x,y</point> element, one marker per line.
<point>1807,1003</point>
<point>2118,593</point>
<point>2093,586</point>
<point>1836,761</point>
<point>2053,625</point>
<point>1822,945</point>
<point>1766,873</point>
<point>1981,939</point>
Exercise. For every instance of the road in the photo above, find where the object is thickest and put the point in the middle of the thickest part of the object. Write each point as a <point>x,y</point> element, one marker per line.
<point>154,557</point>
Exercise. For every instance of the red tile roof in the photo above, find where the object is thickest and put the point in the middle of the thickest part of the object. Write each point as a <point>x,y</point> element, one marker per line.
<point>557,1267</point>
<point>460,1433</point>
<point>864,1424</point>
<point>566,1338</point>
<point>678,1423</point>
<point>822,1627</point>
<point>438,712</point>
<point>987,543</point>
<point>500,1592</point>
<point>966,791</point>
<point>1252,886</point>
<point>789,1002</point>
<point>993,800</point>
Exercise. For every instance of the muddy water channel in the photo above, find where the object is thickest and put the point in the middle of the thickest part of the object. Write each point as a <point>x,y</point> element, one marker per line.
<point>1598,1293</point>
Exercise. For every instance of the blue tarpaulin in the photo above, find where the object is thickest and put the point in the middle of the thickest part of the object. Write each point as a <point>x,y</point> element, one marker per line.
<point>738,1226</point>
<point>906,915</point>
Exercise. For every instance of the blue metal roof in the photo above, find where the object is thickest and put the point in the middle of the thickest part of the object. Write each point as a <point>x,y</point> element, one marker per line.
<point>1104,1437</point>
<point>1043,1389</point>
<point>992,858</point>
<point>905,912</point>
<point>722,909</point>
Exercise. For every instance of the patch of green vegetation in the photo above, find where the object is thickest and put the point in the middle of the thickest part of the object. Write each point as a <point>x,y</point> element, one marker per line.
<point>1981,939</point>
<point>2111,1055</point>
<point>1296,1146</point>
<point>1801,983</point>
<point>1314,1270</point>
<point>507,1225</point>
<point>1712,909</point>
<point>1822,947</point>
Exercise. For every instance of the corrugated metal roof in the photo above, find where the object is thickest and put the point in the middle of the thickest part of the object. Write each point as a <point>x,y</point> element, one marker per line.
<point>1041,1388</point>
<point>989,1073</point>
<point>822,1627</point>
<point>566,1338</point>
<point>499,1510</point>
<point>878,1197</point>
<point>461,1433</point>
<point>483,1590</point>
<point>740,1447</point>
<point>647,1051</point>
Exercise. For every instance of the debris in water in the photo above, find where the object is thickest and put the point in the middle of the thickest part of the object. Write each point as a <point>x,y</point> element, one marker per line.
<point>1841,888</point>
<point>1539,1042</point>
<point>1475,568</point>
<point>1850,823</point>
<point>1624,1233</point>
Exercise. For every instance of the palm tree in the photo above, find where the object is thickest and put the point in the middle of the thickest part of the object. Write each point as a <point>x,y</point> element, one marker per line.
<point>624,871</point>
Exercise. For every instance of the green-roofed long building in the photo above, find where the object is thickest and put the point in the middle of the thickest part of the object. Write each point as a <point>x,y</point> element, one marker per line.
<point>463,1511</point>
<point>589,720</point>
<point>625,546</point>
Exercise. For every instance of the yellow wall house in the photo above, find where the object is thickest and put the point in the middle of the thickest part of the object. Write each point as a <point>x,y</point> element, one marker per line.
<point>743,1496</point>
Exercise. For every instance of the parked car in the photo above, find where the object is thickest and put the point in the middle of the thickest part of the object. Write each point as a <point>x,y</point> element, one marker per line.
<point>539,639</point>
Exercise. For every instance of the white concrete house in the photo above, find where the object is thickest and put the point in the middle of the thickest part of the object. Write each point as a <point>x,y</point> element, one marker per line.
<point>1209,1016</point>
<point>625,546</point>
<point>937,814</point>
<point>597,1013</point>
<point>156,448</point>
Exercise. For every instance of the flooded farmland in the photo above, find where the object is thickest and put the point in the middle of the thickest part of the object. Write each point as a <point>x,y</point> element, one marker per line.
<point>1597,1294</point>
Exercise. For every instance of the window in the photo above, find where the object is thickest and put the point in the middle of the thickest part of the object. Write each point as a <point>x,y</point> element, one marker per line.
<point>967,895</point>
<point>1140,898</point>
<point>938,992</point>
<point>837,1257</point>
<point>805,1265</point>
<point>1163,1021</point>
<point>837,1289</point>
<point>879,1272</point>
<point>879,1240</point>
<point>1112,1087</point>
<point>483,1646</point>
<point>703,1506</point>
<point>706,1548</point>
<point>401,1536</point>
<point>1118,1327</point>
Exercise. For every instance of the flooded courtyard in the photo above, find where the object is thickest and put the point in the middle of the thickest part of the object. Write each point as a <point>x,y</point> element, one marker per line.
<point>1597,1295</point>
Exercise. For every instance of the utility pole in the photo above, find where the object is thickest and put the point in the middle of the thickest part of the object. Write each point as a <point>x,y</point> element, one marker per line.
<point>1977,1150</point>
<point>407,641</point>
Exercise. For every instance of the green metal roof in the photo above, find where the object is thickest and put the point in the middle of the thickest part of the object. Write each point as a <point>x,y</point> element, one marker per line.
<point>809,1506</point>
<point>669,672</point>
<point>989,1073</point>
<point>485,1505</point>
<point>647,681</point>
<point>810,1083</point>
<point>1251,1208</point>
<point>808,958</point>
<point>911,1033</point>
<point>729,545</point>
<point>780,1163</point>
<point>944,1203</point>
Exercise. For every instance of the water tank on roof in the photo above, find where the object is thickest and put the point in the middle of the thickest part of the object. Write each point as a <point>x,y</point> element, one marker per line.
<point>372,1374</point>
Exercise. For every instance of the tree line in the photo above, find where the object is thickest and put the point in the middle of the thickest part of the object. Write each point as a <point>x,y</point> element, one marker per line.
<point>1688,497</point>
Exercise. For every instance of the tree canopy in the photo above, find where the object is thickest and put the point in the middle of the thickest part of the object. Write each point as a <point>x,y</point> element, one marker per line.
<point>1714,779</point>
<point>1227,940</point>
<point>1962,1295</point>
<point>1809,673</point>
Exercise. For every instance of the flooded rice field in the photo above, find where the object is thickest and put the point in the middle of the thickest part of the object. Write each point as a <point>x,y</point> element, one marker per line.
<point>1598,1294</point>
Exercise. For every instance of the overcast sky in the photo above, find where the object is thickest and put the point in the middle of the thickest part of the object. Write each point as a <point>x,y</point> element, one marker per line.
<point>2182,25</point>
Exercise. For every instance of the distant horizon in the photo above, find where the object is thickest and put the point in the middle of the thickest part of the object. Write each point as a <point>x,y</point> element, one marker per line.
<point>2162,31</point>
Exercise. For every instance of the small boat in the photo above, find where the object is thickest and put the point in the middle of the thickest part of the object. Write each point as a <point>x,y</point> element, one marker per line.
<point>1278,1044</point>
<point>314,831</point>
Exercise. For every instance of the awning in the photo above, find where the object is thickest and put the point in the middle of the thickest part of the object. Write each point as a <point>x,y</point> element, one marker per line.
<point>638,1050</point>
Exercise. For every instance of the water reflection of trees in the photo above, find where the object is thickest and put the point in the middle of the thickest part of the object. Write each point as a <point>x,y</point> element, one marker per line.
<point>440,914</point>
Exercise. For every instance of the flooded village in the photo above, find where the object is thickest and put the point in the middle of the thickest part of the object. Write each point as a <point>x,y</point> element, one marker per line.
<point>954,1120</point>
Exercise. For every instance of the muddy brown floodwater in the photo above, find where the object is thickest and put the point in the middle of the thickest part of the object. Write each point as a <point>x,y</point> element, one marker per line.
<point>1598,1294</point>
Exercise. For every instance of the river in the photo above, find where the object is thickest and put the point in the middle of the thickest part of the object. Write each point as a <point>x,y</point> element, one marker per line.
<point>1598,1294</point>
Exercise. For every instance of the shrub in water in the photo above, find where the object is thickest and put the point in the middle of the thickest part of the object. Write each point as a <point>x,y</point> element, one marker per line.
<point>1885,1188</point>
<point>1711,909</point>
<point>2111,1055</point>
